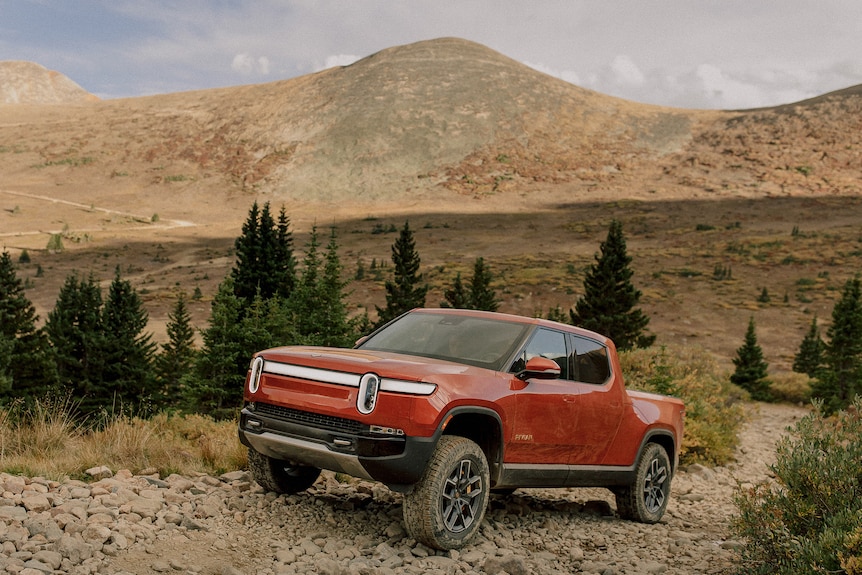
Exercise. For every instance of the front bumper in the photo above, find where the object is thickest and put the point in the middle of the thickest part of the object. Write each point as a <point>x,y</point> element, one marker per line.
<point>337,444</point>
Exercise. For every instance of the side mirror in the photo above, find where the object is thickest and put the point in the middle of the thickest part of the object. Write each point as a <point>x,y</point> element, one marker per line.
<point>540,368</point>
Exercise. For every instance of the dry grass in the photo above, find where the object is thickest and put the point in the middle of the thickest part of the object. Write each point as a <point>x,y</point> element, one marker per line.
<point>46,440</point>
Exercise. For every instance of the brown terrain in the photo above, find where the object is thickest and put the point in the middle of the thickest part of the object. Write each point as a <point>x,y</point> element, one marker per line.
<point>483,156</point>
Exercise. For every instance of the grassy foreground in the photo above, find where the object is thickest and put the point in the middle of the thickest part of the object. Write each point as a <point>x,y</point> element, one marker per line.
<point>46,440</point>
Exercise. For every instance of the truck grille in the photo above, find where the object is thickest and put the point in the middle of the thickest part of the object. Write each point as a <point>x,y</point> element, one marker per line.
<point>328,422</point>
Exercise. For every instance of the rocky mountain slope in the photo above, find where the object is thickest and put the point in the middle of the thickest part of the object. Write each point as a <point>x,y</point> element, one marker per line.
<point>30,83</point>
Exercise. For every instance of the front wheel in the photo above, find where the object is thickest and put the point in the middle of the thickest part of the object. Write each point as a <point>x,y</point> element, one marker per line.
<point>646,499</point>
<point>280,476</point>
<point>447,505</point>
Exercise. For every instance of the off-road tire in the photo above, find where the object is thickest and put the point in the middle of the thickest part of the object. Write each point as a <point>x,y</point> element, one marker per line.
<point>280,476</point>
<point>646,499</point>
<point>446,506</point>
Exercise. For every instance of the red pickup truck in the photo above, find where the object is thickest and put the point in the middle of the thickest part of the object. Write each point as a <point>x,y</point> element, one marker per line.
<point>446,406</point>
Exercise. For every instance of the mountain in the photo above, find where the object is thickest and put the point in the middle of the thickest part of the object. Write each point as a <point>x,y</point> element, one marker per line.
<point>485,157</point>
<point>30,83</point>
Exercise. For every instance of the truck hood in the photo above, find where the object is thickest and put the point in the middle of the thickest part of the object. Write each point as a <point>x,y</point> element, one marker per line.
<point>360,361</point>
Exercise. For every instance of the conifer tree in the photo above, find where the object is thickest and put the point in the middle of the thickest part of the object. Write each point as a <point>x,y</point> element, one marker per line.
<point>482,296</point>
<point>74,328</point>
<point>264,256</point>
<point>29,369</point>
<point>177,355</point>
<point>215,385</point>
<point>750,373</point>
<point>457,296</point>
<point>128,350</point>
<point>841,378</point>
<point>610,299</point>
<point>406,290</point>
<point>809,358</point>
<point>316,306</point>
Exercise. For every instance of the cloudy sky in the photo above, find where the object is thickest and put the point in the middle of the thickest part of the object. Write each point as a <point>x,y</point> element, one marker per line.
<point>684,53</point>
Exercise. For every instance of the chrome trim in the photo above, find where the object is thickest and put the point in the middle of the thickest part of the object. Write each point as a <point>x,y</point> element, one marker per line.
<point>347,379</point>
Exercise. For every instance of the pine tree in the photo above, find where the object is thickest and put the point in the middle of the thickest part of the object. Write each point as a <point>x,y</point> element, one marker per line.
<point>608,304</point>
<point>215,385</point>
<point>750,373</point>
<point>75,330</point>
<point>841,378</point>
<point>30,370</point>
<point>809,358</point>
<point>482,296</point>
<point>457,296</point>
<point>264,256</point>
<point>316,306</point>
<point>128,350</point>
<point>406,291</point>
<point>177,356</point>
<point>247,245</point>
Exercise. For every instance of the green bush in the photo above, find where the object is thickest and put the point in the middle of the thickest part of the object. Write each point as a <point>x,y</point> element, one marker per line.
<point>809,520</point>
<point>713,406</point>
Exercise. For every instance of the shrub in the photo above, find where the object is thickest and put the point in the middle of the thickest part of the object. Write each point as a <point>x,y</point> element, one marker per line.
<point>810,519</point>
<point>713,406</point>
<point>791,387</point>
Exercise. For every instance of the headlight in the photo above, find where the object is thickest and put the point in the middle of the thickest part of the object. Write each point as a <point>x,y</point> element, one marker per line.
<point>369,385</point>
<point>254,376</point>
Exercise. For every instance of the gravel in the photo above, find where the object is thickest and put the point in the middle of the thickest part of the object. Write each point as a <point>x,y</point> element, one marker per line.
<point>122,523</point>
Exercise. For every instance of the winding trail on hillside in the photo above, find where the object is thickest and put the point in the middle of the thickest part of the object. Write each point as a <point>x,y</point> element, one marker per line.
<point>160,225</point>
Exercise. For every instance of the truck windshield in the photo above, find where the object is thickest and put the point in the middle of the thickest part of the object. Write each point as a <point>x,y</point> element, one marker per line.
<point>478,341</point>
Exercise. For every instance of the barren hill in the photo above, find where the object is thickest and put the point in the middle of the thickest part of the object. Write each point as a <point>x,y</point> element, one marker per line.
<point>30,83</point>
<point>487,157</point>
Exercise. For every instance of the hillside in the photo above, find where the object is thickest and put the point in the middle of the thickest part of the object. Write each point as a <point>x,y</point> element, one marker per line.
<point>30,83</point>
<point>483,155</point>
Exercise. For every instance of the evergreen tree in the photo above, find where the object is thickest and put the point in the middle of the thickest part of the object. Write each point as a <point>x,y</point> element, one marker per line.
<point>608,304</point>
<point>482,296</point>
<point>809,358</point>
<point>215,385</point>
<point>74,328</point>
<point>128,350</point>
<point>456,296</point>
<point>29,370</point>
<point>264,256</point>
<point>246,269</point>
<point>177,356</point>
<point>405,292</point>
<point>750,373</point>
<point>316,306</point>
<point>841,378</point>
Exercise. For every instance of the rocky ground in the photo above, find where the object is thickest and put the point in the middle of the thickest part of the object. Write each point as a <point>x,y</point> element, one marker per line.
<point>227,525</point>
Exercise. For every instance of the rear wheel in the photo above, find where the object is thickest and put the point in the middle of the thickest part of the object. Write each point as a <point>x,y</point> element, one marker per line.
<point>280,476</point>
<point>646,499</point>
<point>447,505</point>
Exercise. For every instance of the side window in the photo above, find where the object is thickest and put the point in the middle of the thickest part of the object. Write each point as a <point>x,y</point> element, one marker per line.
<point>549,344</point>
<point>591,361</point>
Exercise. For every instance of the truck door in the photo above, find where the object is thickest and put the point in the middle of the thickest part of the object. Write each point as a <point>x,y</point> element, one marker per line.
<point>546,408</point>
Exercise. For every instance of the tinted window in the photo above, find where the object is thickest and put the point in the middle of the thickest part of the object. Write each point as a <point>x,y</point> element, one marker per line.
<point>548,344</point>
<point>591,361</point>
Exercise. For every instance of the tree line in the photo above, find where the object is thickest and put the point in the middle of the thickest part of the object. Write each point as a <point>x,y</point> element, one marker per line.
<point>98,353</point>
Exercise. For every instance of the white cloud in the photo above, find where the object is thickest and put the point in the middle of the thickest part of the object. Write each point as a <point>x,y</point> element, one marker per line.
<point>338,60</point>
<point>247,65</point>
<point>626,71</point>
<point>566,75</point>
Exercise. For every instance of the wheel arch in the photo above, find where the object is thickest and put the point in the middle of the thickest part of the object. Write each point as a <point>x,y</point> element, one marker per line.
<point>666,440</point>
<point>481,425</point>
